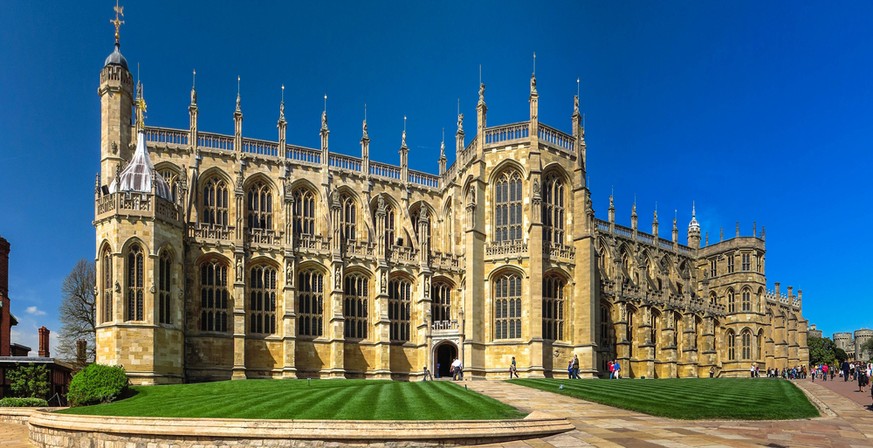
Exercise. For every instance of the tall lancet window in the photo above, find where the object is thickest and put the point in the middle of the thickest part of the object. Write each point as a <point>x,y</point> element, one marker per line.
<point>135,293</point>
<point>553,308</point>
<point>106,293</point>
<point>507,307</point>
<point>349,217</point>
<point>213,296</point>
<point>553,209</point>
<point>262,300</point>
<point>416,217</point>
<point>507,207</point>
<point>215,203</point>
<point>304,212</point>
<point>259,206</point>
<point>165,264</point>
<point>355,304</point>
<point>399,299</point>
<point>310,303</point>
<point>172,179</point>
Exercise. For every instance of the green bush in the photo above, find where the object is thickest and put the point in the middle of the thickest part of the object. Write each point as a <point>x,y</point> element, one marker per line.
<point>97,384</point>
<point>12,402</point>
<point>29,380</point>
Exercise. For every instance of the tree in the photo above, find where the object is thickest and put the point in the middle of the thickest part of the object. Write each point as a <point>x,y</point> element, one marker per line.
<point>840,354</point>
<point>821,350</point>
<point>78,312</point>
<point>29,380</point>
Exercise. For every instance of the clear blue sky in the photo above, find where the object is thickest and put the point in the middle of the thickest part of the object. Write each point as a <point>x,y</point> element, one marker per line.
<point>758,111</point>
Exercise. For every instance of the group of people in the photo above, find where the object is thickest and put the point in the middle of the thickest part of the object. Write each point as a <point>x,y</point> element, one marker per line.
<point>456,369</point>
<point>573,368</point>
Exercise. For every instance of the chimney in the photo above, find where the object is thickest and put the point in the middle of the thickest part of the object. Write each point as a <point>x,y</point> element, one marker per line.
<point>81,351</point>
<point>776,285</point>
<point>44,342</point>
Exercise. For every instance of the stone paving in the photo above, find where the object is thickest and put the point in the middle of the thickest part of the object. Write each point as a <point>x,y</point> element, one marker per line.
<point>846,424</point>
<point>602,426</point>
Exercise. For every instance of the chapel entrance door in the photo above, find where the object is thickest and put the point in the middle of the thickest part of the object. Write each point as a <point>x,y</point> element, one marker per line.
<point>445,354</point>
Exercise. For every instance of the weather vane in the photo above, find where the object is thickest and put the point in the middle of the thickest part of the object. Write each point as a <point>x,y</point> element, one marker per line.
<point>119,11</point>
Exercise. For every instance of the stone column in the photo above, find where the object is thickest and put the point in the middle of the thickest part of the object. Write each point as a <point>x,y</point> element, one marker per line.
<point>289,317</point>
<point>239,317</point>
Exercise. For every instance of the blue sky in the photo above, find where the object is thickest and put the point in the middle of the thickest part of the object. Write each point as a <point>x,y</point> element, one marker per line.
<point>758,111</point>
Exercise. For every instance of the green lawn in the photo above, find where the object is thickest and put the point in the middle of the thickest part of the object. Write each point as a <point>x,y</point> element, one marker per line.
<point>316,399</point>
<point>692,398</point>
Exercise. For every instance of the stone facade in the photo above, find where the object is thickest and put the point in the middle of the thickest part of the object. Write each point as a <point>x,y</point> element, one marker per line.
<point>272,260</point>
<point>851,343</point>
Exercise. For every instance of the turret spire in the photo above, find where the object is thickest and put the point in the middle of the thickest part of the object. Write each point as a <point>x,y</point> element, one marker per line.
<point>282,105</point>
<point>324,115</point>
<point>193,87</point>
<point>403,135</point>
<point>364,134</point>
<point>238,109</point>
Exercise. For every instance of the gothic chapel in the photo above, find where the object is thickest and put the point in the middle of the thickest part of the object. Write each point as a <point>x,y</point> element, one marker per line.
<point>226,257</point>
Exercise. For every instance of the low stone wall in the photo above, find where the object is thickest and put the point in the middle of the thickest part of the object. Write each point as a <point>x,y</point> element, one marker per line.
<point>19,415</point>
<point>53,430</point>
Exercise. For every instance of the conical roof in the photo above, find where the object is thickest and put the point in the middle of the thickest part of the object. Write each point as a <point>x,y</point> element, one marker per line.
<point>138,174</point>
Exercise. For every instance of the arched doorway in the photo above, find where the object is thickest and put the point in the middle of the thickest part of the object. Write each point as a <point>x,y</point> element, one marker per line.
<point>445,354</point>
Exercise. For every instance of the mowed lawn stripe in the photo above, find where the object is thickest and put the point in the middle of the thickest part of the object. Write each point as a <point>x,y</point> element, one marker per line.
<point>724,398</point>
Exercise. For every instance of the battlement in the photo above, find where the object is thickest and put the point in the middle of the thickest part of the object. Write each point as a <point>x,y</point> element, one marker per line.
<point>641,237</point>
<point>776,297</point>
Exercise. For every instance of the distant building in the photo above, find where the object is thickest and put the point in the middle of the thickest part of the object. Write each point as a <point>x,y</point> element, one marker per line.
<point>13,355</point>
<point>222,256</point>
<point>814,332</point>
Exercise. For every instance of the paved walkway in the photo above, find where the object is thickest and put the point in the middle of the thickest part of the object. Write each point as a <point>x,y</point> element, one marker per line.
<point>848,425</point>
<point>603,426</point>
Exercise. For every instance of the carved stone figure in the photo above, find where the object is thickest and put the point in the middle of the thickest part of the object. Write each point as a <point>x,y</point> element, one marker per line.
<point>337,276</point>
<point>384,282</point>
<point>460,122</point>
<point>239,269</point>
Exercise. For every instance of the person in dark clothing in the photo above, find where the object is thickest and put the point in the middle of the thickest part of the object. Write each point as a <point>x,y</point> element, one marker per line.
<point>845,369</point>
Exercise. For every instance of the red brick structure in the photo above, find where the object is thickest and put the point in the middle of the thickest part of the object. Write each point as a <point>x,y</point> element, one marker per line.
<point>6,319</point>
<point>44,342</point>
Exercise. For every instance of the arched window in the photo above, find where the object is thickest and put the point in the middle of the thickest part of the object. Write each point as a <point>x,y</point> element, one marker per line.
<point>656,327</point>
<point>747,344</point>
<point>731,301</point>
<point>304,212</point>
<point>213,296</point>
<point>731,345</point>
<point>507,207</point>
<point>713,299</point>
<point>399,292</point>
<point>677,322</point>
<point>507,307</point>
<point>215,203</point>
<point>747,300</point>
<point>448,226</point>
<point>259,206</point>
<point>759,345</point>
<point>629,331</point>
<point>349,217</point>
<point>553,209</point>
<point>310,303</point>
<point>355,293</point>
<point>441,302</point>
<point>172,178</point>
<point>135,293</point>
<point>165,264</point>
<point>106,293</point>
<point>389,226</point>
<point>553,308</point>
<point>262,300</point>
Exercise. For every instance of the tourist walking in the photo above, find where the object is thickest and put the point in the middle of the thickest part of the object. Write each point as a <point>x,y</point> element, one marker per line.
<point>611,367</point>
<point>570,369</point>
<point>457,370</point>
<point>427,375</point>
<point>513,370</point>
<point>575,367</point>
<point>845,370</point>
<point>617,367</point>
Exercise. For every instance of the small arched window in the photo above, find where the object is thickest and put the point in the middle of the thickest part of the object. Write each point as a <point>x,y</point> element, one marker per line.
<point>416,216</point>
<point>747,300</point>
<point>655,327</point>
<point>172,179</point>
<point>165,265</point>
<point>605,327</point>
<point>399,299</point>
<point>747,344</point>
<point>135,292</point>
<point>507,207</point>
<point>507,307</point>
<point>304,212</point>
<point>259,206</point>
<point>310,303</point>
<point>731,345</point>
<point>553,209</point>
<point>215,203</point>
<point>262,300</point>
<point>731,301</point>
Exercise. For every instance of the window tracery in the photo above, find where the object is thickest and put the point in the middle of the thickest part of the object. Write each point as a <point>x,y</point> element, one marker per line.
<point>507,210</point>
<point>259,206</point>
<point>399,292</point>
<point>355,304</point>
<point>507,307</point>
<point>165,264</point>
<point>135,292</point>
<point>553,308</point>
<point>215,203</point>
<point>213,296</point>
<point>553,209</point>
<point>262,300</point>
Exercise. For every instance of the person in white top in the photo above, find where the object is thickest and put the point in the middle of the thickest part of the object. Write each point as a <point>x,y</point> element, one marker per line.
<point>457,370</point>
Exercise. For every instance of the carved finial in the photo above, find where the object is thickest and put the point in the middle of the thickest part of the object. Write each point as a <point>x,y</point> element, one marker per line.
<point>238,109</point>
<point>481,93</point>
<point>403,135</point>
<point>443,145</point>
<point>460,122</point>
<point>656,212</point>
<point>194,86</point>
<point>324,115</point>
<point>282,105</point>
<point>119,12</point>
